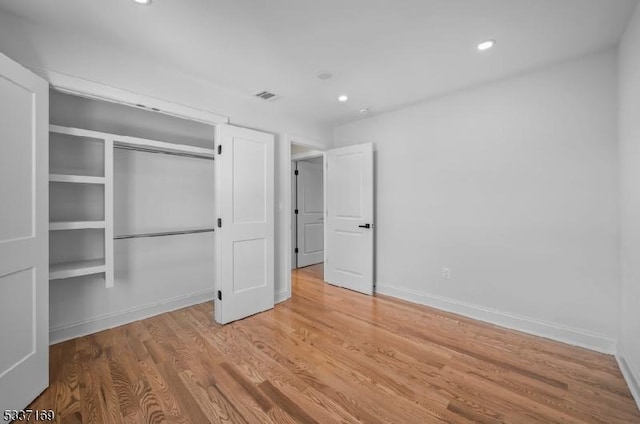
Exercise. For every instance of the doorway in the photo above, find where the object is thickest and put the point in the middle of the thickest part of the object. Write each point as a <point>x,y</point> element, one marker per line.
<point>307,199</point>
<point>348,212</point>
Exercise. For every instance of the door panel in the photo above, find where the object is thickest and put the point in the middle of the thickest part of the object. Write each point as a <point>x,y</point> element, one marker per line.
<point>21,303</point>
<point>245,241</point>
<point>310,219</point>
<point>24,231</point>
<point>349,256</point>
<point>16,160</point>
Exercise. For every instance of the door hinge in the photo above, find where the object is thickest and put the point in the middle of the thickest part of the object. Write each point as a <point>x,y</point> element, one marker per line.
<point>219,294</point>
<point>219,222</point>
<point>296,211</point>
<point>296,250</point>
<point>296,172</point>
<point>219,149</point>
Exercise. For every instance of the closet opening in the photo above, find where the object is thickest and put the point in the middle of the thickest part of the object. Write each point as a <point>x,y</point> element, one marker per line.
<point>132,214</point>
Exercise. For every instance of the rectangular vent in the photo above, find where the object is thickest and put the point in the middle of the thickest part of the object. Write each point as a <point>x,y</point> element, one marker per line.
<point>266,95</point>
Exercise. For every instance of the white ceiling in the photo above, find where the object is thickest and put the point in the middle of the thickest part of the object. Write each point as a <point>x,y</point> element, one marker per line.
<point>383,53</point>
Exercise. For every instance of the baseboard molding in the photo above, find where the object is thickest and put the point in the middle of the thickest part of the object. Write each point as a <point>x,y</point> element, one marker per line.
<point>282,296</point>
<point>116,319</point>
<point>557,332</point>
<point>630,372</point>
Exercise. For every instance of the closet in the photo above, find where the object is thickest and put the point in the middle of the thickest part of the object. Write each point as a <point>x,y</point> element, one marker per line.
<point>133,211</point>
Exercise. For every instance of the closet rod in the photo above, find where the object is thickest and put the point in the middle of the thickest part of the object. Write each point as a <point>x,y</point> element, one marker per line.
<point>164,152</point>
<point>168,233</point>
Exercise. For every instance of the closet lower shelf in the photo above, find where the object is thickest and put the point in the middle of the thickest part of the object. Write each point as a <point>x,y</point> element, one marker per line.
<point>76,269</point>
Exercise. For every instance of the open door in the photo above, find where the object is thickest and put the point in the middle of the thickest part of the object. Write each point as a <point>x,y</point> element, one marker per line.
<point>349,233</point>
<point>310,213</point>
<point>24,236</point>
<point>245,233</point>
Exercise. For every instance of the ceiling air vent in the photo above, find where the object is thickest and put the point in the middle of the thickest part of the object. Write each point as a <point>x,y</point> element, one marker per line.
<point>266,95</point>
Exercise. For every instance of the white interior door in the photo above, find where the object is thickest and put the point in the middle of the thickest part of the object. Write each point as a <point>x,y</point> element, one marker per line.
<point>24,236</point>
<point>310,216</point>
<point>245,233</point>
<point>349,235</point>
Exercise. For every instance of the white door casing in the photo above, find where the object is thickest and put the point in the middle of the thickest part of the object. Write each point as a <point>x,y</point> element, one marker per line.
<point>24,235</point>
<point>310,216</point>
<point>349,243</point>
<point>294,224</point>
<point>245,236</point>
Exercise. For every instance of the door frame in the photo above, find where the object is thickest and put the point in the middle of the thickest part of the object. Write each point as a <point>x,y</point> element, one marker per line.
<point>285,166</point>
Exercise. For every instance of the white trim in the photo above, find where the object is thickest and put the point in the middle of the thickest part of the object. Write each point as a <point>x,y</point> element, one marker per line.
<point>98,91</point>
<point>116,319</point>
<point>282,295</point>
<point>553,331</point>
<point>630,372</point>
<point>304,141</point>
<point>311,154</point>
<point>288,207</point>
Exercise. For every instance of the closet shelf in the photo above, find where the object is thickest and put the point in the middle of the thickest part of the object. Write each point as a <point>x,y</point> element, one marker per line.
<point>82,179</point>
<point>75,225</point>
<point>134,141</point>
<point>76,269</point>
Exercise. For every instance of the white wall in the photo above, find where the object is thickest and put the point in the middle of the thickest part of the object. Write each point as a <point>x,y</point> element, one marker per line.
<point>513,186</point>
<point>629,65</point>
<point>39,47</point>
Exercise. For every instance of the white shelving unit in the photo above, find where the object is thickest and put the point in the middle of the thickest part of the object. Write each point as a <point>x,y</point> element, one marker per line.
<point>104,265</point>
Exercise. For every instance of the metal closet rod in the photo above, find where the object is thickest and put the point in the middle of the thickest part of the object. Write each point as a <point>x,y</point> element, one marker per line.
<point>167,233</point>
<point>164,152</point>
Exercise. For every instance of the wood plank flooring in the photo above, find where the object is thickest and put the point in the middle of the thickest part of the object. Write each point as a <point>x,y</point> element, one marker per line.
<point>329,355</point>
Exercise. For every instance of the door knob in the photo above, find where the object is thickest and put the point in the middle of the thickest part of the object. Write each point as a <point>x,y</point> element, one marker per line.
<point>365,226</point>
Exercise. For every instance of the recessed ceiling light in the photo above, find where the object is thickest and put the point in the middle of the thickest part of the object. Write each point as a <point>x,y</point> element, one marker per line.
<point>343,98</point>
<point>324,75</point>
<point>486,45</point>
<point>145,2</point>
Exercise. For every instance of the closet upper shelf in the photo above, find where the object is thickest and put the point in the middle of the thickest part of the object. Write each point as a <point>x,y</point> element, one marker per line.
<point>81,179</point>
<point>75,225</point>
<point>134,141</point>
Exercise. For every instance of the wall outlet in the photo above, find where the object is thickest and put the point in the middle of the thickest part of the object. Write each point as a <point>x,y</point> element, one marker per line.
<point>446,273</point>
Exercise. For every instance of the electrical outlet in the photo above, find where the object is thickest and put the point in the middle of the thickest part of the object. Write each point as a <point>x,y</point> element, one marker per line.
<point>446,273</point>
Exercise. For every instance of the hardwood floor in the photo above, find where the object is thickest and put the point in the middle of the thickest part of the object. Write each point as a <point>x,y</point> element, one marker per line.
<point>329,355</point>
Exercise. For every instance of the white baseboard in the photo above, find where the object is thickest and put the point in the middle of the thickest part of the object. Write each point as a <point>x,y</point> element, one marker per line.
<point>116,319</point>
<point>557,332</point>
<point>630,372</point>
<point>282,296</point>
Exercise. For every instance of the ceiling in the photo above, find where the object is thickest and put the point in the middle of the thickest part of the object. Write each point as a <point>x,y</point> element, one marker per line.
<point>383,53</point>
